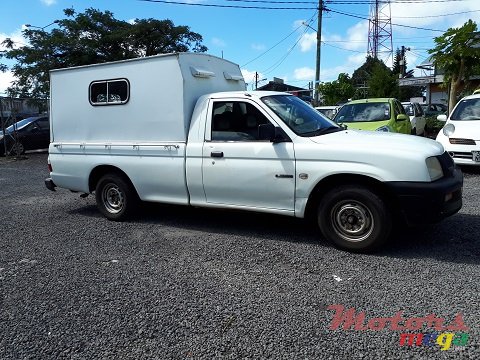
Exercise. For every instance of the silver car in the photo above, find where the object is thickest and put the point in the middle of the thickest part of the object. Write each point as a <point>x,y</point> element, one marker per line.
<point>417,117</point>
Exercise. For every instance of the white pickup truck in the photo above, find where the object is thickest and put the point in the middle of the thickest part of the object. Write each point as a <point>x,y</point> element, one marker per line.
<point>181,129</point>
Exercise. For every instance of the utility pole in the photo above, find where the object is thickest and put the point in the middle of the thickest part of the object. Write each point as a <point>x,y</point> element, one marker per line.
<point>319,43</point>
<point>403,68</point>
<point>257,80</point>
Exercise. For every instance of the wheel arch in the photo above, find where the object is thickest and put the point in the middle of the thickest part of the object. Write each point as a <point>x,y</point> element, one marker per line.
<point>330,182</point>
<point>101,170</point>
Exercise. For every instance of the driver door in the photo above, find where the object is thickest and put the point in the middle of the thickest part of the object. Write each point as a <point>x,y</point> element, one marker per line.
<point>238,168</point>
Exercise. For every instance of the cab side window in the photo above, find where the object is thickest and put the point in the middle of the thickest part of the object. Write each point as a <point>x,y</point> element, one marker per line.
<point>236,121</point>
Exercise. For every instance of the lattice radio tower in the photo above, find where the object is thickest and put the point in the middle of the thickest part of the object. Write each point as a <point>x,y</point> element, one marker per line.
<point>380,44</point>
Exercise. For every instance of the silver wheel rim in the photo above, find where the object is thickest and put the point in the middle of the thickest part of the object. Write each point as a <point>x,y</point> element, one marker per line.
<point>352,220</point>
<point>113,198</point>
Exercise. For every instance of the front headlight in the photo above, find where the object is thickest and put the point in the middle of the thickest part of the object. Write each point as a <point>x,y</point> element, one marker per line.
<point>448,130</point>
<point>384,128</point>
<point>434,168</point>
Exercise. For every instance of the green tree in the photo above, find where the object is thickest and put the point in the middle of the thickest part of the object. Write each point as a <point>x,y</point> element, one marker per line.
<point>457,52</point>
<point>382,82</point>
<point>396,68</point>
<point>338,90</point>
<point>88,38</point>
<point>361,75</point>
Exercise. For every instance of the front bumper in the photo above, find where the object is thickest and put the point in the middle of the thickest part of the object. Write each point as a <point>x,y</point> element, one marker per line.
<point>422,203</point>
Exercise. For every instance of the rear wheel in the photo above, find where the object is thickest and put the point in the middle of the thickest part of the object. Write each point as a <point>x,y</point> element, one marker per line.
<point>116,198</point>
<point>354,218</point>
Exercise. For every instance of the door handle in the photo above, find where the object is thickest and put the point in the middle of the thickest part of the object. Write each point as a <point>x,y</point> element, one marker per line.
<point>216,154</point>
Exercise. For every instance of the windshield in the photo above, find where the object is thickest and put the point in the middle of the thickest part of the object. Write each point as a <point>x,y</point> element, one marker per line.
<point>468,109</point>
<point>301,118</point>
<point>361,112</point>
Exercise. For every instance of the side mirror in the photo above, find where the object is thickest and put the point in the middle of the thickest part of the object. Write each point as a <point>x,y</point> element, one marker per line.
<point>442,117</point>
<point>271,133</point>
<point>402,117</point>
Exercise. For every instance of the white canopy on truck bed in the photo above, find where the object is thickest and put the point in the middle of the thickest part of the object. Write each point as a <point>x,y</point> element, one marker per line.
<point>147,99</point>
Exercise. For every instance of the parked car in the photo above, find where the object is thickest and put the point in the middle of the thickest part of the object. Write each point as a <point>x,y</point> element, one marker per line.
<point>433,109</point>
<point>27,134</point>
<point>417,117</point>
<point>380,114</point>
<point>461,134</point>
<point>328,111</point>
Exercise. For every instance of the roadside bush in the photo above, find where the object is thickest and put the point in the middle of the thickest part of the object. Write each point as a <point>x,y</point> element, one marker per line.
<point>433,126</point>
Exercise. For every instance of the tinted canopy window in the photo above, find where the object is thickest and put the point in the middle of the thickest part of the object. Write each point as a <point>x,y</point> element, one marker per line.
<point>109,92</point>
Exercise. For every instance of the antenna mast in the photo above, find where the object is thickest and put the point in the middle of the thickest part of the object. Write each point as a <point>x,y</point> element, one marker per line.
<point>380,44</point>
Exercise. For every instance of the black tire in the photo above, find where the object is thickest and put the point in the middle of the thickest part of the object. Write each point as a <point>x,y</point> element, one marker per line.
<point>414,131</point>
<point>354,218</point>
<point>17,149</point>
<point>116,197</point>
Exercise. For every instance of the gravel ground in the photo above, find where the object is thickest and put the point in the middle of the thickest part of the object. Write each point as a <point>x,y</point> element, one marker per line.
<point>180,283</point>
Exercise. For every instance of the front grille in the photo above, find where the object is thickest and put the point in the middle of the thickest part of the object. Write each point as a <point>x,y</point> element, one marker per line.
<point>457,141</point>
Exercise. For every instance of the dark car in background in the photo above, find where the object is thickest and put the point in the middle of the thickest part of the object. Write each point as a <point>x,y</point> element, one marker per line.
<point>434,109</point>
<point>28,134</point>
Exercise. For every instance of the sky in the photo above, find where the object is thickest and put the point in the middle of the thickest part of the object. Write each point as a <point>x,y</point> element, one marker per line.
<point>270,42</point>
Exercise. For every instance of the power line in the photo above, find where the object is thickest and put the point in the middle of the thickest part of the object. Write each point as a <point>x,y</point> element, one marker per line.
<point>344,2</point>
<point>282,59</point>
<point>417,17</point>
<point>364,18</point>
<point>338,47</point>
<point>278,43</point>
<point>276,65</point>
<point>229,6</point>
<point>363,2</point>
<point>435,16</point>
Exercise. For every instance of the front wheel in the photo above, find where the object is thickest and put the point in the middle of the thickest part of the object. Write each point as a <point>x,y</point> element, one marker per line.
<point>116,198</point>
<point>17,149</point>
<point>354,218</point>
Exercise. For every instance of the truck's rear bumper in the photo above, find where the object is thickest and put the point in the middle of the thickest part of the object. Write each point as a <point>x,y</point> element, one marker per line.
<point>50,184</point>
<point>422,202</point>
